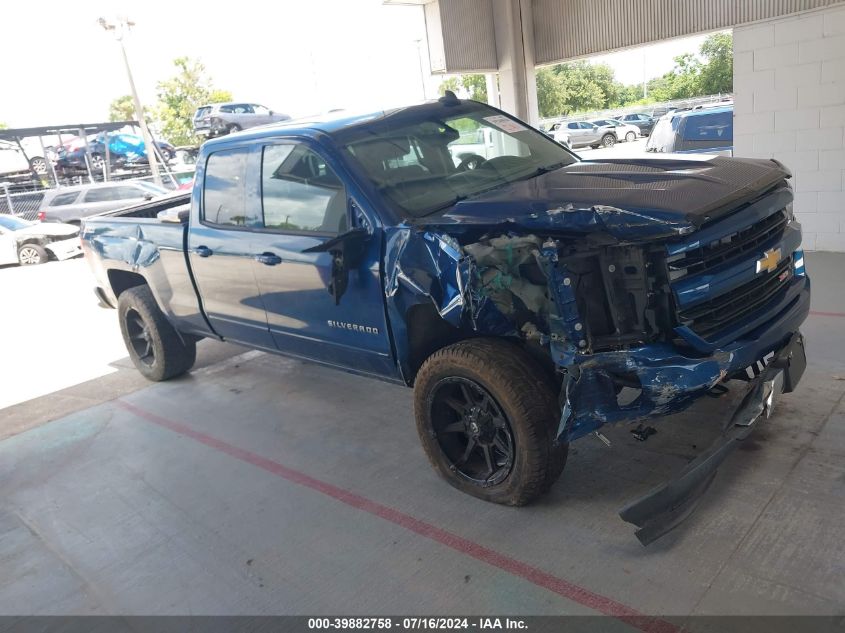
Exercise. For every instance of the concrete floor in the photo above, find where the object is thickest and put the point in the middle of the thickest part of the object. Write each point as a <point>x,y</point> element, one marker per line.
<point>262,485</point>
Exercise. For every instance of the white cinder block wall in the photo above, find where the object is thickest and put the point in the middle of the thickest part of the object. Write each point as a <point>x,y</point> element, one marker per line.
<point>789,104</point>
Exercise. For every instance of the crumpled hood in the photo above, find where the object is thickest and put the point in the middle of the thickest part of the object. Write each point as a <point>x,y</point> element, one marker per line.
<point>51,229</point>
<point>641,198</point>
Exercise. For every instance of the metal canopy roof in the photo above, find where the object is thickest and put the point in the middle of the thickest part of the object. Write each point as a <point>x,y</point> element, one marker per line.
<point>13,134</point>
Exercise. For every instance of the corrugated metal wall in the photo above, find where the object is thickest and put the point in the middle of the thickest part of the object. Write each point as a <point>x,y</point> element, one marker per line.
<point>468,37</point>
<point>566,29</point>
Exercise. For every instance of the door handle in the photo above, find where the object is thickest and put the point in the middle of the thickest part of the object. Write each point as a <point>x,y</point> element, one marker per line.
<point>268,259</point>
<point>203,251</point>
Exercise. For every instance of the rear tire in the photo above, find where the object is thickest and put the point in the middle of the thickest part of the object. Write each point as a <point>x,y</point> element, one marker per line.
<point>486,415</point>
<point>38,165</point>
<point>234,128</point>
<point>154,346</point>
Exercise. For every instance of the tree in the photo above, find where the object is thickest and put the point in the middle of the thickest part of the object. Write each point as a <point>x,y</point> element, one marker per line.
<point>717,75</point>
<point>709,72</point>
<point>123,109</point>
<point>474,85</point>
<point>180,96</point>
<point>452,83</point>
<point>551,94</point>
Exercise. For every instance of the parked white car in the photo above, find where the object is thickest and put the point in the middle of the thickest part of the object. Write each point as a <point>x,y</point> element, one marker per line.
<point>26,243</point>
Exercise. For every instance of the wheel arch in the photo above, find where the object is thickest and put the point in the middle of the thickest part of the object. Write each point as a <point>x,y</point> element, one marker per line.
<point>427,333</point>
<point>122,280</point>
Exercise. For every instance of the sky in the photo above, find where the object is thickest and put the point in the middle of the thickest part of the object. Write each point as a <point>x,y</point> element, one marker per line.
<point>292,56</point>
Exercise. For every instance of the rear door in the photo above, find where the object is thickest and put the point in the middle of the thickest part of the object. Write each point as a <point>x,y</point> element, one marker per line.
<point>221,251</point>
<point>304,203</point>
<point>243,115</point>
<point>260,114</point>
<point>102,199</point>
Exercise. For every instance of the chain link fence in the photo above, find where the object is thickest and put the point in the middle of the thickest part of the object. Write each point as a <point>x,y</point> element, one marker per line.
<point>25,205</point>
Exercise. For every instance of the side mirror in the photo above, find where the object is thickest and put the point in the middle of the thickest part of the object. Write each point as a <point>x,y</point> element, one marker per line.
<point>347,251</point>
<point>174,216</point>
<point>148,196</point>
<point>595,127</point>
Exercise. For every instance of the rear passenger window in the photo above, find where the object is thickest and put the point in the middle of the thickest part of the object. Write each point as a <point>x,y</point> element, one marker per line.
<point>128,193</point>
<point>64,199</point>
<point>103,194</point>
<point>709,127</point>
<point>224,199</point>
<point>300,192</point>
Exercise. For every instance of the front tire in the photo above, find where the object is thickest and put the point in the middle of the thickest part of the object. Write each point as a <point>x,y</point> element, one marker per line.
<point>486,415</point>
<point>154,346</point>
<point>630,137</point>
<point>608,140</point>
<point>32,255</point>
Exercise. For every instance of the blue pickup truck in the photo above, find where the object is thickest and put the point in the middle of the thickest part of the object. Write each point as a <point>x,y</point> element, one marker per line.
<point>528,297</point>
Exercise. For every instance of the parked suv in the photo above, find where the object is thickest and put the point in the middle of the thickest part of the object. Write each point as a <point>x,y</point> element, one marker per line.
<point>217,119</point>
<point>644,122</point>
<point>71,204</point>
<point>582,133</point>
<point>706,130</point>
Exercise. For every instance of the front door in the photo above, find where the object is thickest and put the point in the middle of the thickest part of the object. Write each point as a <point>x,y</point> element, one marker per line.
<point>221,250</point>
<point>304,204</point>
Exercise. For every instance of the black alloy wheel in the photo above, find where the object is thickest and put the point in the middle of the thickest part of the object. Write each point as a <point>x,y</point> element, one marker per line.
<point>472,431</point>
<point>139,337</point>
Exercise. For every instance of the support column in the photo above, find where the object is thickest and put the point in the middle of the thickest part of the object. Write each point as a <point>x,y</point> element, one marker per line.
<point>514,32</point>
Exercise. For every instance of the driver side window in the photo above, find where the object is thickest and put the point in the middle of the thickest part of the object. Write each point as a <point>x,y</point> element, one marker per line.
<point>300,192</point>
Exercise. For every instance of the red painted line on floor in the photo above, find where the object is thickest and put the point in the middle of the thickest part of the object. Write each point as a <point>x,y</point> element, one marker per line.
<point>830,314</point>
<point>568,590</point>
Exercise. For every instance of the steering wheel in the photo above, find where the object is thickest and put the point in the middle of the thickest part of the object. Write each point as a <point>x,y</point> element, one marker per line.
<point>471,161</point>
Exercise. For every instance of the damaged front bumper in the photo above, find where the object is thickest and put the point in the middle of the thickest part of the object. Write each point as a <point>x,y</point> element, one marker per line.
<point>666,506</point>
<point>655,380</point>
<point>65,249</point>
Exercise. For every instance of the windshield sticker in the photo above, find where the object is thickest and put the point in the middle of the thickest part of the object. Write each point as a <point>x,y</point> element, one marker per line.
<point>505,124</point>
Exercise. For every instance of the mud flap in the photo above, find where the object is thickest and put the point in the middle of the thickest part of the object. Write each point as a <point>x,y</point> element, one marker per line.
<point>670,503</point>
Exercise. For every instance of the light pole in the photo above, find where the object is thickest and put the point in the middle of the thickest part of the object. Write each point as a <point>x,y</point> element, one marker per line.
<point>419,61</point>
<point>119,30</point>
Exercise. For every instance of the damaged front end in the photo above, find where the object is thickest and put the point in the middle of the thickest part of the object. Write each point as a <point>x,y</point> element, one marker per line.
<point>638,317</point>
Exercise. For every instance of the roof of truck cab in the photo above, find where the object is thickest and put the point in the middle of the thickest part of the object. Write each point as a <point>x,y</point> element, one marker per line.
<point>702,111</point>
<point>330,122</point>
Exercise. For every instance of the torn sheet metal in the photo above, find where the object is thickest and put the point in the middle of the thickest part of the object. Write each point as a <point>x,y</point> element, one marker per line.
<point>427,266</point>
<point>668,383</point>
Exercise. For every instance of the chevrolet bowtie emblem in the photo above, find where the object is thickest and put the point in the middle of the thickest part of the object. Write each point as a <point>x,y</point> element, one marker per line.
<point>770,261</point>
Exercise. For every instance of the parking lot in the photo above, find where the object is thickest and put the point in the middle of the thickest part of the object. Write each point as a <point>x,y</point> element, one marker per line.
<point>258,485</point>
